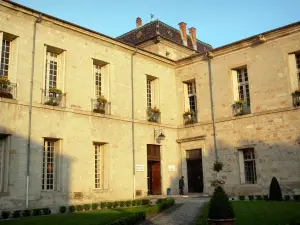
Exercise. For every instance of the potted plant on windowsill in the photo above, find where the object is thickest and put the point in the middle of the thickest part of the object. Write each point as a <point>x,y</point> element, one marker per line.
<point>100,105</point>
<point>153,114</point>
<point>188,117</point>
<point>5,88</point>
<point>54,97</point>
<point>238,108</point>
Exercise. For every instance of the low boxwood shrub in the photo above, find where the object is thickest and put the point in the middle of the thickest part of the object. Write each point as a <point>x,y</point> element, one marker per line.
<point>266,197</point>
<point>103,205</point>
<point>122,203</point>
<point>109,205</point>
<point>160,200</point>
<point>87,207</point>
<point>275,190</point>
<point>26,212</point>
<point>62,209</point>
<point>131,219</point>
<point>128,203</point>
<point>250,197</point>
<point>220,207</point>
<point>36,212</point>
<point>242,197</point>
<point>287,197</point>
<point>79,208</point>
<point>296,197</point>
<point>115,204</point>
<point>95,206</point>
<point>145,201</point>
<point>72,208</point>
<point>170,201</point>
<point>46,211</point>
<point>16,214</point>
<point>134,202</point>
<point>5,214</point>
<point>138,202</point>
<point>258,197</point>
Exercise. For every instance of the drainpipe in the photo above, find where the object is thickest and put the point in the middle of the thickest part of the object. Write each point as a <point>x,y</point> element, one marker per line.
<point>209,56</point>
<point>38,20</point>
<point>132,123</point>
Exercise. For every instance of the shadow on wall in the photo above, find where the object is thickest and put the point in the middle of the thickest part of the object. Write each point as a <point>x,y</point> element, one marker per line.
<point>49,172</point>
<point>280,158</point>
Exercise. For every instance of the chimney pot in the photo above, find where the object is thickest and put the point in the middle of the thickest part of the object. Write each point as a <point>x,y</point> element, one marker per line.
<point>182,27</point>
<point>138,22</point>
<point>192,31</point>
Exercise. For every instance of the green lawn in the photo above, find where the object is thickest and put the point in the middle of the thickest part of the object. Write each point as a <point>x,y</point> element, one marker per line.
<point>80,218</point>
<point>263,212</point>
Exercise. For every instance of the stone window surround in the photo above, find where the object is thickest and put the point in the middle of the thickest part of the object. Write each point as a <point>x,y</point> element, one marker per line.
<point>105,78</point>
<point>154,91</point>
<point>190,90</point>
<point>293,71</point>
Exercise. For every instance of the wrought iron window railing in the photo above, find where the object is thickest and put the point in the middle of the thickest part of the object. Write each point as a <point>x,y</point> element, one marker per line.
<point>52,99</point>
<point>101,107</point>
<point>8,91</point>
<point>153,116</point>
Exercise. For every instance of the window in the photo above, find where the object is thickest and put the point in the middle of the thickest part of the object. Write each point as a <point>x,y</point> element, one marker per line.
<point>50,164</point>
<point>5,55</point>
<point>99,166</point>
<point>247,165</point>
<point>243,86</point>
<point>149,94</point>
<point>98,81</point>
<point>51,73</point>
<point>3,162</point>
<point>298,68</point>
<point>192,96</point>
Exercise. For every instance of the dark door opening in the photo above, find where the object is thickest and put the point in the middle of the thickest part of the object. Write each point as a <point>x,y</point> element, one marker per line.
<point>153,162</point>
<point>194,170</point>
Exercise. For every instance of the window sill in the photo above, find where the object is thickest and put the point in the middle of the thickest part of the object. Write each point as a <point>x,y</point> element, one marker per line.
<point>100,190</point>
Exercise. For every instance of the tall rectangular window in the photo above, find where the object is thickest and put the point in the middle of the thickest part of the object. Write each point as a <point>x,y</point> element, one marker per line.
<point>98,81</point>
<point>249,165</point>
<point>5,57</point>
<point>192,96</point>
<point>49,164</point>
<point>3,156</point>
<point>99,166</point>
<point>243,85</point>
<point>51,73</point>
<point>298,68</point>
<point>149,94</point>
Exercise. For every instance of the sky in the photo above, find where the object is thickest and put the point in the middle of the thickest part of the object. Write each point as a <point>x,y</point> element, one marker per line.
<point>218,22</point>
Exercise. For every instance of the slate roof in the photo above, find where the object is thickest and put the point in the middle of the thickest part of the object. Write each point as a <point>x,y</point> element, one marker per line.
<point>157,28</point>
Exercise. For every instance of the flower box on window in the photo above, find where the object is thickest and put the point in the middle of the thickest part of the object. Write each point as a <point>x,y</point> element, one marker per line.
<point>7,89</point>
<point>296,97</point>
<point>100,105</point>
<point>52,97</point>
<point>240,108</point>
<point>189,117</point>
<point>153,114</point>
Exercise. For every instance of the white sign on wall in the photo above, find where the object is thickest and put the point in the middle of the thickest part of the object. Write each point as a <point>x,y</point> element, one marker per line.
<point>171,168</point>
<point>139,167</point>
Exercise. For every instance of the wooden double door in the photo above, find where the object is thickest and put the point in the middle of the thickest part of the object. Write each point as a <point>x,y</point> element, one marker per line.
<point>154,169</point>
<point>194,170</point>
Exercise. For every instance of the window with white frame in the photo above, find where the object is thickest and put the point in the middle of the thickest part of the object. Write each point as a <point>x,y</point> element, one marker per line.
<point>98,81</point>
<point>99,165</point>
<point>152,92</point>
<point>247,165</point>
<point>192,96</point>
<point>243,85</point>
<point>3,162</point>
<point>297,56</point>
<point>51,73</point>
<point>5,57</point>
<point>50,167</point>
<point>149,94</point>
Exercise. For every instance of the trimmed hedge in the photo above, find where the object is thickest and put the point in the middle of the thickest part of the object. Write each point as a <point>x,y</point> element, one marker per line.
<point>46,211</point>
<point>16,214</point>
<point>95,206</point>
<point>79,208</point>
<point>87,207</point>
<point>128,203</point>
<point>250,197</point>
<point>72,208</point>
<point>266,197</point>
<point>62,209</point>
<point>5,214</point>
<point>275,190</point>
<point>103,205</point>
<point>131,219</point>
<point>287,197</point>
<point>26,212</point>
<point>242,197</point>
<point>296,197</point>
<point>36,212</point>
<point>258,197</point>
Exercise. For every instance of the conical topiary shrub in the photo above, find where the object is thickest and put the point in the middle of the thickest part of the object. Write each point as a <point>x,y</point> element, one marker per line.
<point>275,191</point>
<point>220,208</point>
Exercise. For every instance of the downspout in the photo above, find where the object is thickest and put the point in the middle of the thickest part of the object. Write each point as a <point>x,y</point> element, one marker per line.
<point>38,20</point>
<point>209,56</point>
<point>132,122</point>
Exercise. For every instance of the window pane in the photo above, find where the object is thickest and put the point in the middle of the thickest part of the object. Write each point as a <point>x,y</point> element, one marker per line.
<point>48,165</point>
<point>149,94</point>
<point>5,53</point>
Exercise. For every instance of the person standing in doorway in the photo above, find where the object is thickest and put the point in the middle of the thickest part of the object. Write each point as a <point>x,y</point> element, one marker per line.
<point>181,185</point>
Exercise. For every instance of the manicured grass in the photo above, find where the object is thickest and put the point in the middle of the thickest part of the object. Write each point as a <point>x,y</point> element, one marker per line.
<point>260,212</point>
<point>99,217</point>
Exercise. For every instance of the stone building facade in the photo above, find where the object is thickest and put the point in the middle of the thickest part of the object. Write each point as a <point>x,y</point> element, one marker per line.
<point>84,149</point>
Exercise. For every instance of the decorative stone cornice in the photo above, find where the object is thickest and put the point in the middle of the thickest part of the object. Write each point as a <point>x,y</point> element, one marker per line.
<point>196,138</point>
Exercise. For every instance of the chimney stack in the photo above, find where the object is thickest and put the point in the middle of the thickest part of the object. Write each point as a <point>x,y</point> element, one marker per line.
<point>192,31</point>
<point>138,22</point>
<point>182,27</point>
